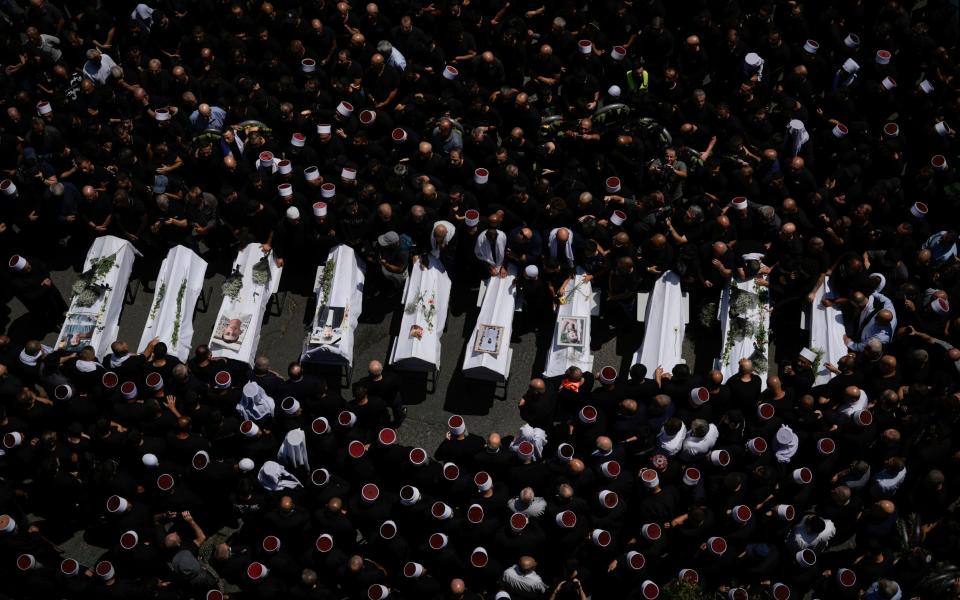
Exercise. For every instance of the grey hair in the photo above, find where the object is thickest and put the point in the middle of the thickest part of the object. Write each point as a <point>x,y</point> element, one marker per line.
<point>384,47</point>
<point>93,53</point>
<point>560,22</point>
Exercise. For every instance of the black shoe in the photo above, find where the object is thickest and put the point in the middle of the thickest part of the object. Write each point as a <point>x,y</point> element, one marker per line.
<point>398,419</point>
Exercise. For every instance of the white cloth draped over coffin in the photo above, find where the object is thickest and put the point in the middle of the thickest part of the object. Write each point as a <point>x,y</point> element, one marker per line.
<point>181,265</point>
<point>335,320</point>
<point>252,300</point>
<point>107,308</point>
<point>423,285</point>
<point>826,332</point>
<point>664,326</point>
<point>579,302</point>
<point>745,347</point>
<point>499,302</point>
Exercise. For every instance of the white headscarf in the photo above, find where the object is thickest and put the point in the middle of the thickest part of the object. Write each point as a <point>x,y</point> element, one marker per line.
<point>798,135</point>
<point>273,477</point>
<point>535,436</point>
<point>672,445</point>
<point>31,361</point>
<point>451,230</point>
<point>529,582</point>
<point>849,408</point>
<point>116,361</point>
<point>255,404</point>
<point>698,446</point>
<point>143,14</point>
<point>86,366</point>
<point>568,249</point>
<point>293,451</point>
<point>483,252</point>
<point>786,451</point>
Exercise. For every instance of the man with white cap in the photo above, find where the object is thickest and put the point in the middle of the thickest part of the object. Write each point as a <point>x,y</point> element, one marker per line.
<point>32,285</point>
<point>292,249</point>
<point>392,255</point>
<point>536,302</point>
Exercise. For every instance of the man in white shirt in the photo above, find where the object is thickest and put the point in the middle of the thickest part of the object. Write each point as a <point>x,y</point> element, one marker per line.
<point>98,65</point>
<point>701,439</point>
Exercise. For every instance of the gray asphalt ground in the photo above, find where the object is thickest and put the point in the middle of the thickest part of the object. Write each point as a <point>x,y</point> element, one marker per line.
<point>486,407</point>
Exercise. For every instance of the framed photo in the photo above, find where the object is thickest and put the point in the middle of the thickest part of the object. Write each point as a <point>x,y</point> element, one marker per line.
<point>416,332</point>
<point>488,339</point>
<point>570,332</point>
<point>77,332</point>
<point>331,316</point>
<point>231,330</point>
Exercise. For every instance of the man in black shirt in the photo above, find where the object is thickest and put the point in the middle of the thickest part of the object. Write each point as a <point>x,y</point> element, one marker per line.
<point>386,386</point>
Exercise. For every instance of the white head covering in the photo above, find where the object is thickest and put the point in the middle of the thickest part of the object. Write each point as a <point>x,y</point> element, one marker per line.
<point>274,477</point>
<point>753,63</point>
<point>568,250</point>
<point>787,444</point>
<point>672,445</point>
<point>798,135</point>
<point>255,404</point>
<point>293,451</point>
<point>534,435</point>
<point>483,252</point>
<point>86,366</point>
<point>451,230</point>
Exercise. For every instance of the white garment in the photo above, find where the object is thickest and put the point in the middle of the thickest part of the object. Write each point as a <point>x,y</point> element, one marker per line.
<point>698,446</point>
<point>567,250</point>
<point>30,361</point>
<point>850,408</point>
<point>798,135</point>
<point>534,510</point>
<point>786,451</point>
<point>86,366</point>
<point>802,538</point>
<point>115,361</point>
<point>143,13</point>
<point>888,483</point>
<point>255,404</point>
<point>671,445</point>
<point>451,230</point>
<point>530,582</point>
<point>535,436</point>
<point>483,252</point>
<point>273,477</point>
<point>293,451</point>
<point>397,60</point>
<point>101,73</point>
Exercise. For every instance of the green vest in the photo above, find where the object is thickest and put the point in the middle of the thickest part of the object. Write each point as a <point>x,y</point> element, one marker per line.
<point>638,86</point>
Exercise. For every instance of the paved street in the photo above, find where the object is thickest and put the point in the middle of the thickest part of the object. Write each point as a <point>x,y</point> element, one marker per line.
<point>487,407</point>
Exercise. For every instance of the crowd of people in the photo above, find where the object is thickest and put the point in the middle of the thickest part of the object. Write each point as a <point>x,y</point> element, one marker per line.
<point>794,143</point>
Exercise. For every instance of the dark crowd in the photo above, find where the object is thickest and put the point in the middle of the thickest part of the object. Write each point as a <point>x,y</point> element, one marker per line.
<point>781,141</point>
